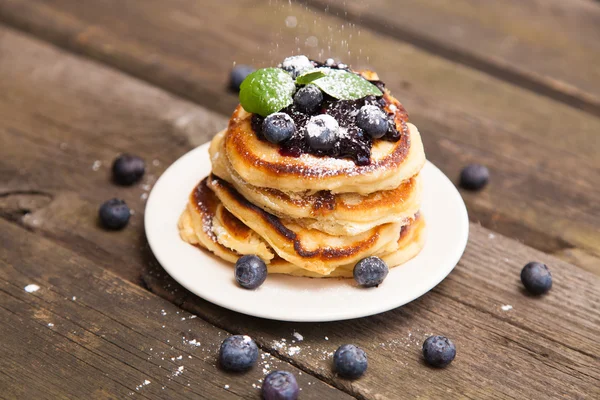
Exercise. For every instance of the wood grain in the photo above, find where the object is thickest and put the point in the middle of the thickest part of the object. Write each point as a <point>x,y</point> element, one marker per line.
<point>543,155</point>
<point>502,354</point>
<point>88,334</point>
<point>550,46</point>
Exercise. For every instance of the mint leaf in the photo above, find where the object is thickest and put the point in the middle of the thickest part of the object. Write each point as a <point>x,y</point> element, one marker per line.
<point>266,91</point>
<point>344,85</point>
<point>308,77</point>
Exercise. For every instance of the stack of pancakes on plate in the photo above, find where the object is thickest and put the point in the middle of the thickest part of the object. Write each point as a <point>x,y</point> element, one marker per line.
<point>309,215</point>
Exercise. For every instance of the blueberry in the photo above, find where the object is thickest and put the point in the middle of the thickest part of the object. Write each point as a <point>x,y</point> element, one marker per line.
<point>308,99</point>
<point>438,351</point>
<point>322,132</point>
<point>237,76</point>
<point>127,169</point>
<point>536,278</point>
<point>238,353</point>
<point>474,177</point>
<point>278,127</point>
<point>373,121</point>
<point>370,271</point>
<point>114,214</point>
<point>280,385</point>
<point>250,271</point>
<point>350,361</point>
<point>296,65</point>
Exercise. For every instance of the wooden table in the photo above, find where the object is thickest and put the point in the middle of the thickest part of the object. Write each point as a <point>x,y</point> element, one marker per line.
<point>514,85</point>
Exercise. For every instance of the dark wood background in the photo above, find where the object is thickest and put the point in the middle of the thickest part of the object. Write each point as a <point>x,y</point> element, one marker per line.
<point>514,85</point>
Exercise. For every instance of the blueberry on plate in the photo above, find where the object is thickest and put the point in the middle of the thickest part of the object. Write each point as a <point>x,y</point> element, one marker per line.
<point>114,214</point>
<point>250,271</point>
<point>350,361</point>
<point>322,132</point>
<point>238,353</point>
<point>474,177</point>
<point>372,120</point>
<point>308,99</point>
<point>370,271</point>
<point>297,65</point>
<point>278,127</point>
<point>536,278</point>
<point>280,385</point>
<point>128,169</point>
<point>438,351</point>
<point>237,76</point>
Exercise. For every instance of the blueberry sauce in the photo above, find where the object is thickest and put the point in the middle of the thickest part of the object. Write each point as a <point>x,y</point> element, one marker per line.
<point>353,143</point>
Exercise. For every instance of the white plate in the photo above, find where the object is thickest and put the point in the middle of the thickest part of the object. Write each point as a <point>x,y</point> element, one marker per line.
<point>288,298</point>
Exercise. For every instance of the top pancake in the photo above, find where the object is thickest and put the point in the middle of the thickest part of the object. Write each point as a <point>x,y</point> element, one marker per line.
<point>260,163</point>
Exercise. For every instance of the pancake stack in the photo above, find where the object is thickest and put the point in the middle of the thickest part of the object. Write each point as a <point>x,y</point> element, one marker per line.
<point>309,214</point>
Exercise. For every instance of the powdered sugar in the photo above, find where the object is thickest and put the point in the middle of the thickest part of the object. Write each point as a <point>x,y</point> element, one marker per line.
<point>298,336</point>
<point>319,125</point>
<point>296,65</point>
<point>506,307</point>
<point>31,288</point>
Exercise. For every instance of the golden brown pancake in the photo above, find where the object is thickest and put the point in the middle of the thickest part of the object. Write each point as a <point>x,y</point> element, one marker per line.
<point>307,248</point>
<point>196,226</point>
<point>336,214</point>
<point>259,163</point>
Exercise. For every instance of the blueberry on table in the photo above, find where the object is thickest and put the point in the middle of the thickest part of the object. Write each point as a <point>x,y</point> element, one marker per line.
<point>322,132</point>
<point>280,385</point>
<point>350,361</point>
<point>250,271</point>
<point>373,121</point>
<point>536,278</point>
<point>308,99</point>
<point>474,177</point>
<point>128,169</point>
<point>237,76</point>
<point>370,271</point>
<point>278,127</point>
<point>238,353</point>
<point>114,214</point>
<point>438,351</point>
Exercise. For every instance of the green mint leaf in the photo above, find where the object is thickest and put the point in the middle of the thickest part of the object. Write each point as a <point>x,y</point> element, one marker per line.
<point>344,85</point>
<point>266,91</point>
<point>310,76</point>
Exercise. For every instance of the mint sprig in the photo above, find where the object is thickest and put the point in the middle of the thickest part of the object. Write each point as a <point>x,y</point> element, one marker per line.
<point>267,91</point>
<point>343,85</point>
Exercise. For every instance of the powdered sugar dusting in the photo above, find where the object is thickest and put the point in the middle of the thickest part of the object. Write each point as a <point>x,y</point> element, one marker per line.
<point>31,288</point>
<point>298,336</point>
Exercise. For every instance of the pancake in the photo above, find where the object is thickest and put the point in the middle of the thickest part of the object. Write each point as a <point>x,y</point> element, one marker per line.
<point>260,164</point>
<point>335,214</point>
<point>197,226</point>
<point>307,248</point>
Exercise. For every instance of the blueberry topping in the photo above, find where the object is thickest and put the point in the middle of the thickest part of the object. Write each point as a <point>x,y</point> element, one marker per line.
<point>474,177</point>
<point>370,271</point>
<point>536,278</point>
<point>308,99</point>
<point>114,214</point>
<point>238,353</point>
<point>373,121</point>
<point>278,127</point>
<point>438,351</point>
<point>296,65</point>
<point>280,385</point>
<point>127,169</point>
<point>322,132</point>
<point>250,271</point>
<point>237,76</point>
<point>350,361</point>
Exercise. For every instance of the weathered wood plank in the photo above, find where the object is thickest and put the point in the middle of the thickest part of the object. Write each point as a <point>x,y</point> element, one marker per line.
<point>522,354</point>
<point>548,46</point>
<point>543,155</point>
<point>88,334</point>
